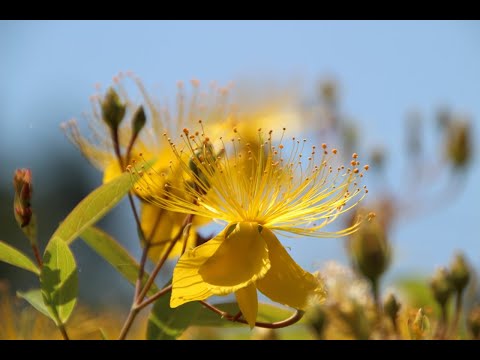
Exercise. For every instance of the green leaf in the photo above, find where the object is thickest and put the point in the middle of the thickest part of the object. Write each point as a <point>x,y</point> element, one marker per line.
<point>109,249</point>
<point>59,280</point>
<point>34,297</point>
<point>94,207</point>
<point>165,323</point>
<point>14,257</point>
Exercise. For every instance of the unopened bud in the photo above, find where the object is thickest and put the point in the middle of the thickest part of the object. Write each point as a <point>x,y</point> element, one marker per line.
<point>22,209</point>
<point>420,326</point>
<point>391,307</point>
<point>459,147</point>
<point>442,287</point>
<point>139,120</point>
<point>22,182</point>
<point>113,110</point>
<point>473,322</point>
<point>459,273</point>
<point>370,250</point>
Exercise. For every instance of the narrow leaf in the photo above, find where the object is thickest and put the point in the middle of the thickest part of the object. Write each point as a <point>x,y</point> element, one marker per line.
<point>34,297</point>
<point>94,207</point>
<point>109,249</point>
<point>59,280</point>
<point>14,257</point>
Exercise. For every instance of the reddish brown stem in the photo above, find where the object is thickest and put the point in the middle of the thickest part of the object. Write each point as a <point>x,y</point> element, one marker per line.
<point>296,317</point>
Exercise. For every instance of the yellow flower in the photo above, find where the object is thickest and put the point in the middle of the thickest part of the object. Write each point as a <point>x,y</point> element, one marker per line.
<point>159,225</point>
<point>257,190</point>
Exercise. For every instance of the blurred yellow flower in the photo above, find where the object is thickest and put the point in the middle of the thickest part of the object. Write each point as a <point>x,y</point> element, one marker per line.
<point>159,225</point>
<point>256,189</point>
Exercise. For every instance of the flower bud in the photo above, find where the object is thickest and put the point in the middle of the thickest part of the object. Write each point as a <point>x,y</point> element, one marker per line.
<point>458,142</point>
<point>113,110</point>
<point>391,307</point>
<point>22,182</point>
<point>459,273</point>
<point>473,322</point>
<point>139,120</point>
<point>370,250</point>
<point>442,286</point>
<point>22,209</point>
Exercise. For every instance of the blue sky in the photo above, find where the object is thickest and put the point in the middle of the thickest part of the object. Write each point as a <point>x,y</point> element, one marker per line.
<point>48,71</point>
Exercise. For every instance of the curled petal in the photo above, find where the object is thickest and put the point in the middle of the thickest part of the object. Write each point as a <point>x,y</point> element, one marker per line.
<point>248,303</point>
<point>286,282</point>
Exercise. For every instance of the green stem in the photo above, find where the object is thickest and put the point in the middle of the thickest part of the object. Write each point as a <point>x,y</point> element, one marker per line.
<point>138,303</point>
<point>154,297</point>
<point>128,323</point>
<point>443,325</point>
<point>183,231</point>
<point>36,252</point>
<point>458,312</point>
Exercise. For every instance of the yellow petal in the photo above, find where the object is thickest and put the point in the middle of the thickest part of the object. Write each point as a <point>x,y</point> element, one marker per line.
<point>239,261</point>
<point>160,227</point>
<point>112,170</point>
<point>286,282</point>
<point>187,283</point>
<point>248,303</point>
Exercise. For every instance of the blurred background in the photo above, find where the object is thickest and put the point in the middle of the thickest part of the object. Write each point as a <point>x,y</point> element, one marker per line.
<point>393,84</point>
